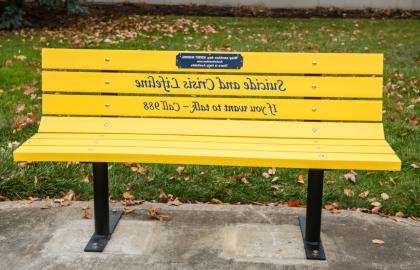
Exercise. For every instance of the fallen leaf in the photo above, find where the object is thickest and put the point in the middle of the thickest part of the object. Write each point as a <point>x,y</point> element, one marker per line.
<point>238,177</point>
<point>399,214</point>
<point>142,170</point>
<point>34,199</point>
<point>24,201</point>
<point>398,109</point>
<point>128,211</point>
<point>86,179</point>
<point>376,209</point>
<point>376,204</point>
<point>65,203</point>
<point>203,174</point>
<point>376,241</point>
<point>245,181</point>
<point>414,166</point>
<point>58,200</point>
<point>164,196</point>
<point>180,170</point>
<point>86,207</point>
<point>266,175</point>
<point>130,186</point>
<point>134,169</point>
<point>129,202</point>
<point>45,207</point>
<point>372,200</point>
<point>186,178</point>
<point>328,207</point>
<point>391,181</point>
<point>335,211</point>
<point>20,57</point>
<point>283,204</point>
<point>175,202</point>
<point>351,175</point>
<point>149,179</point>
<point>128,164</point>
<point>9,63</point>
<point>69,196</point>
<point>274,180</point>
<point>215,201</point>
<point>331,182</point>
<point>398,220</point>
<point>293,203</point>
<point>87,214</point>
<point>364,194</point>
<point>272,171</point>
<point>172,178</point>
<point>301,178</point>
<point>384,196</point>
<point>380,183</point>
<point>349,192</point>
<point>127,195</point>
<point>369,173</point>
<point>20,107</point>
<point>153,213</point>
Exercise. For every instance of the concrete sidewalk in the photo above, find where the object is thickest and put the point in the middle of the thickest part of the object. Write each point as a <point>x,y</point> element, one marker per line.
<point>201,237</point>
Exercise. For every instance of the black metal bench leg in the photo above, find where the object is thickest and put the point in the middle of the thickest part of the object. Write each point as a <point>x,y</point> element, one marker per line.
<point>311,225</point>
<point>105,220</point>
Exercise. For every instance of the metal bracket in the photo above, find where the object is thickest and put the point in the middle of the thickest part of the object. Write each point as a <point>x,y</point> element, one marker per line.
<point>98,242</point>
<point>313,250</point>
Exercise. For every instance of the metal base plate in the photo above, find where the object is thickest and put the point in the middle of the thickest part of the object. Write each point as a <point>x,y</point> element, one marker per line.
<point>313,250</point>
<point>98,242</point>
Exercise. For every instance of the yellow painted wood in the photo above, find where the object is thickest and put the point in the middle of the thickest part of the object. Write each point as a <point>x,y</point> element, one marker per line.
<point>205,127</point>
<point>209,157</point>
<point>217,139</point>
<point>192,107</point>
<point>213,145</point>
<point>253,62</point>
<point>179,84</point>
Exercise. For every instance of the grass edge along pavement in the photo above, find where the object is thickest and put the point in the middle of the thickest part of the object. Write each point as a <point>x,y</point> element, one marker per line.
<point>397,39</point>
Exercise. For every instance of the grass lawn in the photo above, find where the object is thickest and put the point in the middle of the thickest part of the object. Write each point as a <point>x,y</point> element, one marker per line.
<point>398,40</point>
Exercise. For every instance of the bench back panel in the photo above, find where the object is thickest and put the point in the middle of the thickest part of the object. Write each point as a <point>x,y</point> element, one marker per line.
<point>222,85</point>
<point>254,62</point>
<point>235,96</point>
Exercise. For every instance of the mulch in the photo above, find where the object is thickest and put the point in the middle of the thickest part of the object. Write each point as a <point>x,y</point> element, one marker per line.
<point>40,17</point>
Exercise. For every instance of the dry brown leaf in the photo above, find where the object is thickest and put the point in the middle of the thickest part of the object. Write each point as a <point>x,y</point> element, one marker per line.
<point>331,182</point>
<point>238,177</point>
<point>372,200</point>
<point>245,181</point>
<point>186,178</point>
<point>364,194</point>
<point>168,198</point>
<point>36,180</point>
<point>150,179</point>
<point>9,63</point>
<point>175,202</point>
<point>87,206</point>
<point>376,204</point>
<point>275,187</point>
<point>351,176</point>
<point>87,214</point>
<point>274,180</point>
<point>25,201</point>
<point>391,181</point>
<point>384,196</point>
<point>134,169</point>
<point>180,170</point>
<point>45,207</point>
<point>20,107</point>
<point>21,57</point>
<point>215,201</point>
<point>142,170</point>
<point>203,174</point>
<point>86,179</point>
<point>130,186</point>
<point>266,175</point>
<point>153,213</point>
<point>376,209</point>
<point>58,200</point>
<point>377,241</point>
<point>398,220</point>
<point>399,214</point>
<point>272,171</point>
<point>301,178</point>
<point>65,203</point>
<point>127,195</point>
<point>69,196</point>
<point>128,211</point>
<point>335,211</point>
<point>414,166</point>
<point>349,192</point>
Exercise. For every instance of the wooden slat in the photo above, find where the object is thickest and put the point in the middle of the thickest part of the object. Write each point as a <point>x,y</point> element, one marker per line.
<point>253,62</point>
<point>346,110</point>
<point>148,83</point>
<point>213,145</point>
<point>204,127</point>
<point>228,140</point>
<point>209,157</point>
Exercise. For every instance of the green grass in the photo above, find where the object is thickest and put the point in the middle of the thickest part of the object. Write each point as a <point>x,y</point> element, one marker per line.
<point>399,44</point>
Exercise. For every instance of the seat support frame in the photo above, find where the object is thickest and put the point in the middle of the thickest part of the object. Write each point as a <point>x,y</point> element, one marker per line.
<point>105,220</point>
<point>311,224</point>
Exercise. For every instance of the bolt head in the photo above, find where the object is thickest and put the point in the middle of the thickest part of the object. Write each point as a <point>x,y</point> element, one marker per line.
<point>314,86</point>
<point>313,109</point>
<point>314,129</point>
<point>105,125</point>
<point>313,62</point>
<point>321,155</point>
<point>315,252</point>
<point>318,148</point>
<point>101,135</point>
<point>107,82</point>
<point>315,141</point>
<point>107,59</point>
<point>95,142</point>
<point>90,149</point>
<point>107,105</point>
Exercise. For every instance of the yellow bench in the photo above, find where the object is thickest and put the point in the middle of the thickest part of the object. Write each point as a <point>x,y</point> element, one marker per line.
<point>105,125</point>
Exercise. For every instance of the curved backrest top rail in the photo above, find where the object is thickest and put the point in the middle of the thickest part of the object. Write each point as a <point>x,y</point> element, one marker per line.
<point>245,62</point>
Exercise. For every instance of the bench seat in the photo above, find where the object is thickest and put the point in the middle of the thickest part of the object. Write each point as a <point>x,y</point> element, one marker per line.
<point>334,145</point>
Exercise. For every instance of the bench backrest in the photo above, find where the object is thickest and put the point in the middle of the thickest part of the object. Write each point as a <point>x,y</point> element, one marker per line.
<point>203,94</point>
